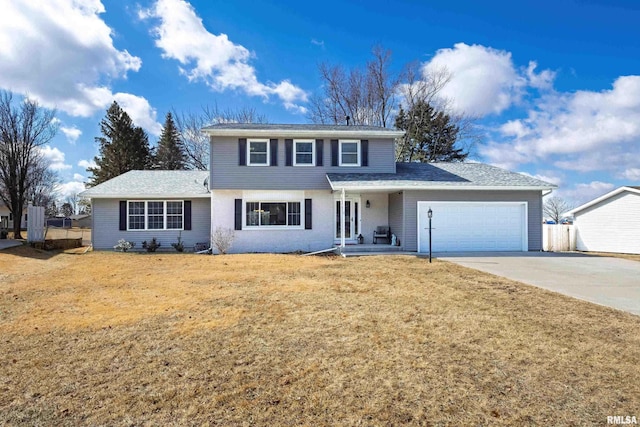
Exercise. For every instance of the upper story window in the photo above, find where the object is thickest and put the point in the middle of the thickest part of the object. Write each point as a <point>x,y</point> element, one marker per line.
<point>349,153</point>
<point>155,215</point>
<point>258,152</point>
<point>304,152</point>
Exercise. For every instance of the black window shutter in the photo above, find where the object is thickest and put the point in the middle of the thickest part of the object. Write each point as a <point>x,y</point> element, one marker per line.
<point>334,152</point>
<point>319,151</point>
<point>288,152</point>
<point>307,214</point>
<point>238,214</point>
<point>242,151</point>
<point>273,146</point>
<point>123,214</point>
<point>187,214</point>
<point>364,146</point>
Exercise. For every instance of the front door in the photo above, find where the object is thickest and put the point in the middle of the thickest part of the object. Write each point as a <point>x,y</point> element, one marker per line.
<point>351,213</point>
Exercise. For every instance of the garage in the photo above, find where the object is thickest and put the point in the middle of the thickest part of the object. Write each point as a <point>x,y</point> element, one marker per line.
<point>473,226</point>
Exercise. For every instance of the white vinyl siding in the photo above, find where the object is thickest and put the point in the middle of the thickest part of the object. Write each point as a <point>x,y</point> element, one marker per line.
<point>610,226</point>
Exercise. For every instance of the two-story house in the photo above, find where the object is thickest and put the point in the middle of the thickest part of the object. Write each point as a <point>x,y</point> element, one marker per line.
<point>286,188</point>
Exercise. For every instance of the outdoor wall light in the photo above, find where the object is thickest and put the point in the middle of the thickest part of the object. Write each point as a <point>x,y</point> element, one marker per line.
<point>368,204</point>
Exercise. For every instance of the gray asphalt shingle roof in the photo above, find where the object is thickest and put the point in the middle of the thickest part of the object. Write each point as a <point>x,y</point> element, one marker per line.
<point>438,175</point>
<point>152,184</point>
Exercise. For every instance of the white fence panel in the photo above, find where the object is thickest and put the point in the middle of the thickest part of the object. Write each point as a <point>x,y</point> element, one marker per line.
<point>35,224</point>
<point>558,237</point>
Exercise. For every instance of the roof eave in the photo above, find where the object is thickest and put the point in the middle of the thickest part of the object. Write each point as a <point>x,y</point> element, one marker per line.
<point>303,133</point>
<point>601,199</point>
<point>338,186</point>
<point>145,196</point>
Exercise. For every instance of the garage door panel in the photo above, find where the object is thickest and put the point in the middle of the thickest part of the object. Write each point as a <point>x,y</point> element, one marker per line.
<point>487,226</point>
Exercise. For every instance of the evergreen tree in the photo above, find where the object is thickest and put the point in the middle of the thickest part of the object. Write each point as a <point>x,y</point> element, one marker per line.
<point>170,152</point>
<point>123,147</point>
<point>430,136</point>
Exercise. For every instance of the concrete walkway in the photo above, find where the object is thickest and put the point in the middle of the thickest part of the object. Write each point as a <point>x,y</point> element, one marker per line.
<point>612,282</point>
<point>7,243</point>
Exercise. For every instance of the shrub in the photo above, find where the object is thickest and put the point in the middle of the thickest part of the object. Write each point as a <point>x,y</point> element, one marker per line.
<point>151,246</point>
<point>221,239</point>
<point>179,246</point>
<point>123,245</point>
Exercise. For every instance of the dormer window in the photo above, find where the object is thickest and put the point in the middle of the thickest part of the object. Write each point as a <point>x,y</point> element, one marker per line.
<point>258,152</point>
<point>304,152</point>
<point>349,153</point>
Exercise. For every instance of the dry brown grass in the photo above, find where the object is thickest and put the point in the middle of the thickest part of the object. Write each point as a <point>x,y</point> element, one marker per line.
<point>632,257</point>
<point>162,339</point>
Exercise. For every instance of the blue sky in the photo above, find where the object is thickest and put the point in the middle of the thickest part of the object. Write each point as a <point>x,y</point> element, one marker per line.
<point>555,84</point>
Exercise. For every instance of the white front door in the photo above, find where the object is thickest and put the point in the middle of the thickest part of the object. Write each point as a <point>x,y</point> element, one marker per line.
<point>351,213</point>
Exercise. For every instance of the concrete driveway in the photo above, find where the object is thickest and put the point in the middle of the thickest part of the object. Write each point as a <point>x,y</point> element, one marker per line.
<point>6,243</point>
<point>613,282</point>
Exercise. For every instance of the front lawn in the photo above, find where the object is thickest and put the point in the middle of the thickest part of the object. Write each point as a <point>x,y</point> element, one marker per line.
<point>159,339</point>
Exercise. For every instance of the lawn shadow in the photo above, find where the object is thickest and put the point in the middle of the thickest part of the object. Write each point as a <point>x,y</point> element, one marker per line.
<point>26,251</point>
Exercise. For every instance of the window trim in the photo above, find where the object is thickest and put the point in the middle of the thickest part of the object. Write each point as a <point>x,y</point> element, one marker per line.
<point>313,152</point>
<point>358,152</point>
<point>273,227</point>
<point>268,161</point>
<point>164,215</point>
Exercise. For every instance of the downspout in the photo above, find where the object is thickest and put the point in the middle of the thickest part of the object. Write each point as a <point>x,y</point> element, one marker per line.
<point>342,221</point>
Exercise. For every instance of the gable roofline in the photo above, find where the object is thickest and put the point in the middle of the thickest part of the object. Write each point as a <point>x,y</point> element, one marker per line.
<point>630,189</point>
<point>302,131</point>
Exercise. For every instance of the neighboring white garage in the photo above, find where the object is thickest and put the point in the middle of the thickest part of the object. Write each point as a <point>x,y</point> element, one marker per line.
<point>473,226</point>
<point>610,223</point>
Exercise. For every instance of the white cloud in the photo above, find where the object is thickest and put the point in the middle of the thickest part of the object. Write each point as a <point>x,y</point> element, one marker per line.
<point>543,80</point>
<point>61,53</point>
<point>55,157</point>
<point>632,174</point>
<point>483,80</point>
<point>213,59</point>
<point>87,164</point>
<point>72,133</point>
<point>78,177</point>
<point>584,192</point>
<point>318,43</point>
<point>584,131</point>
<point>140,111</point>
<point>70,188</point>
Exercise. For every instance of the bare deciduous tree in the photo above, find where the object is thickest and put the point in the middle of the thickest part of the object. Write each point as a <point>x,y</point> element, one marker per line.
<point>73,200</point>
<point>366,96</point>
<point>195,143</point>
<point>24,128</point>
<point>554,207</point>
<point>43,184</point>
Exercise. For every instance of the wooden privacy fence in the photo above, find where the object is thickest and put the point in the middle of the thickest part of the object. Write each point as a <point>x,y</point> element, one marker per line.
<point>558,237</point>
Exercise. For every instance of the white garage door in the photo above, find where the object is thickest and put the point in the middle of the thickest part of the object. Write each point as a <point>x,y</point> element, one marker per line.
<point>473,226</point>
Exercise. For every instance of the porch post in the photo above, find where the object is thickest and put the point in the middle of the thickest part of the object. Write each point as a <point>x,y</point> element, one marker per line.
<point>342,221</point>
